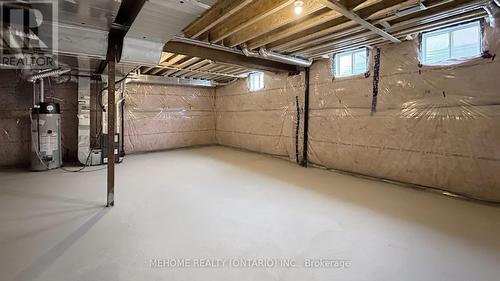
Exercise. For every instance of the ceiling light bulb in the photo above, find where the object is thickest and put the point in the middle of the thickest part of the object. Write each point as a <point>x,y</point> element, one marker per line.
<point>298,7</point>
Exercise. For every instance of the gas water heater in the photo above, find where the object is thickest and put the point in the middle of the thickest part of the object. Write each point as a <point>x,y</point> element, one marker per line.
<point>46,137</point>
<point>46,150</point>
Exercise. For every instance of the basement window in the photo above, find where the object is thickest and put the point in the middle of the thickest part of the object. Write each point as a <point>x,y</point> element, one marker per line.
<point>255,81</point>
<point>351,63</point>
<point>452,43</point>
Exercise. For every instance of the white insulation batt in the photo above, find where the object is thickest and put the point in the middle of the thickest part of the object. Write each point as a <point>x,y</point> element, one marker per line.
<point>263,121</point>
<point>433,126</point>
<point>161,117</point>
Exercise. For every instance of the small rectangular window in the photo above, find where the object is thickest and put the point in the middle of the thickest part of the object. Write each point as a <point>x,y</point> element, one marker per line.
<point>351,63</point>
<point>452,43</point>
<point>255,81</point>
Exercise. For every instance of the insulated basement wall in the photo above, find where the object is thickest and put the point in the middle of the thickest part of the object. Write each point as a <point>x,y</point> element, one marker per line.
<point>264,121</point>
<point>16,99</point>
<point>160,117</point>
<point>437,127</point>
<point>433,126</point>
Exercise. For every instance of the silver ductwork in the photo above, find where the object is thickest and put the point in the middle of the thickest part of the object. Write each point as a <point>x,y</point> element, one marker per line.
<point>156,23</point>
<point>162,80</point>
<point>249,53</point>
<point>47,73</point>
<point>245,51</point>
<point>205,44</point>
<point>284,58</point>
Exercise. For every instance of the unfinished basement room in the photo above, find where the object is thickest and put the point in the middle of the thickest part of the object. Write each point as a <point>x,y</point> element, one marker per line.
<point>259,140</point>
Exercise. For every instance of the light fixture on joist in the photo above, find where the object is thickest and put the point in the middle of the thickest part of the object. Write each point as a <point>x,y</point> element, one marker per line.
<point>298,7</point>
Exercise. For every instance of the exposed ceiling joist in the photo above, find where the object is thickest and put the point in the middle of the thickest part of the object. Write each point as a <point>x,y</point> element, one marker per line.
<point>226,57</point>
<point>307,35</point>
<point>323,27</point>
<point>255,12</point>
<point>222,10</point>
<point>173,60</point>
<point>165,56</point>
<point>270,23</point>
<point>313,44</point>
<point>194,66</point>
<point>335,5</point>
<point>304,25</point>
<point>206,72</point>
<point>339,24</point>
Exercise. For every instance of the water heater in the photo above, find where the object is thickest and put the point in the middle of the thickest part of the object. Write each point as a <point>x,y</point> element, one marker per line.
<point>46,137</point>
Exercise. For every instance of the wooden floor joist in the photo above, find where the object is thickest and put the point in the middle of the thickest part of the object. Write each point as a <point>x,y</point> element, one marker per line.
<point>323,26</point>
<point>256,11</point>
<point>270,23</point>
<point>222,10</point>
<point>325,16</point>
<point>334,5</point>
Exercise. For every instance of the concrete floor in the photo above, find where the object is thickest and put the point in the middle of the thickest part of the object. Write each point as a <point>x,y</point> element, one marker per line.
<point>220,203</point>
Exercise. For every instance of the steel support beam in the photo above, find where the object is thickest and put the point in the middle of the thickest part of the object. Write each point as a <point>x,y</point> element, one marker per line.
<point>129,9</point>
<point>111,134</point>
<point>336,6</point>
<point>222,56</point>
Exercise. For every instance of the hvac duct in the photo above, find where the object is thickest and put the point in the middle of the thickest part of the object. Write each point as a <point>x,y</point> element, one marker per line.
<point>283,58</point>
<point>249,53</point>
<point>49,73</point>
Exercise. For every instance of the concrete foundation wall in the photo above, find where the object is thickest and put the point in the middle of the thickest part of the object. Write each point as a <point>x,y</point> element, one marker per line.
<point>159,117</point>
<point>16,101</point>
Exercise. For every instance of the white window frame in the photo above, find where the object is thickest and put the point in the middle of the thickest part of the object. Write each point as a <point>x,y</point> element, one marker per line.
<point>336,62</point>
<point>259,80</point>
<point>449,31</point>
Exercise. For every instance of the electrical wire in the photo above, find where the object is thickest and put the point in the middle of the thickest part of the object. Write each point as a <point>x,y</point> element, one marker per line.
<point>87,164</point>
<point>99,96</point>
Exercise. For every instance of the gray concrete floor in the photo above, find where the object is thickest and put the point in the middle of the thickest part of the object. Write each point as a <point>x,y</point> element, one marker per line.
<point>221,203</point>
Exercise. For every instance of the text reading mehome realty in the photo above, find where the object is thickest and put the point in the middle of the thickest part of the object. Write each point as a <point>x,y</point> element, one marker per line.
<point>249,263</point>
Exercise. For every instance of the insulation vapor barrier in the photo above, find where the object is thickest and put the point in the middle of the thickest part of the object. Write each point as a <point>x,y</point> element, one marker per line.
<point>264,121</point>
<point>433,126</point>
<point>159,117</point>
